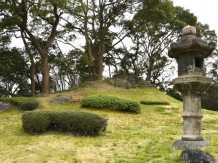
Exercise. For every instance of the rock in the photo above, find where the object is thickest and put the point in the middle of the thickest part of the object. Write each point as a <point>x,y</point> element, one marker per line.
<point>4,106</point>
<point>60,100</point>
<point>130,81</point>
<point>196,156</point>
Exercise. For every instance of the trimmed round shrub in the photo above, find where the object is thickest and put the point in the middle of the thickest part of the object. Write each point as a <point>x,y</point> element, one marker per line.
<point>76,122</point>
<point>36,121</point>
<point>30,104</point>
<point>22,103</point>
<point>111,102</point>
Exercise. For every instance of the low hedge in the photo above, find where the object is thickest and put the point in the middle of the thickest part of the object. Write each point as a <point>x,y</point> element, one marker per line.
<point>76,122</point>
<point>154,102</point>
<point>111,102</point>
<point>22,103</point>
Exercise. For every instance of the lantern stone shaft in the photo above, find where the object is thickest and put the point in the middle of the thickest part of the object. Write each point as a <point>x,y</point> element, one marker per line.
<point>190,52</point>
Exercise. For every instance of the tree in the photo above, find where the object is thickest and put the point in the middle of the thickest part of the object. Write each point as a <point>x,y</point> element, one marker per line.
<point>95,20</point>
<point>33,21</point>
<point>105,27</point>
<point>151,33</point>
<point>209,97</point>
<point>13,70</point>
<point>65,73</point>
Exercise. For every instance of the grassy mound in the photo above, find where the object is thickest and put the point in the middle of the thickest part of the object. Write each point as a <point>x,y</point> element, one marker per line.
<point>141,138</point>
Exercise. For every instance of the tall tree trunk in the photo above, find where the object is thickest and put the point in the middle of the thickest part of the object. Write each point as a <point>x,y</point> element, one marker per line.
<point>100,57</point>
<point>148,77</point>
<point>32,79</point>
<point>109,67</point>
<point>100,68</point>
<point>89,43</point>
<point>150,68</point>
<point>45,74</point>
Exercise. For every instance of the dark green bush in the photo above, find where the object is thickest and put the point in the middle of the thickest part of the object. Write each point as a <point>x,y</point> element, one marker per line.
<point>76,122</point>
<point>154,102</point>
<point>111,102</point>
<point>29,105</point>
<point>36,121</point>
<point>22,103</point>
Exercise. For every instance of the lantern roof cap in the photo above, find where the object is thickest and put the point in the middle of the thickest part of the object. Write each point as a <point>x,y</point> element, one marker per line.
<point>190,42</point>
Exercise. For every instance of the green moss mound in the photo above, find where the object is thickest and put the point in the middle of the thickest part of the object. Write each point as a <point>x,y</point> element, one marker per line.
<point>23,103</point>
<point>76,122</point>
<point>110,102</point>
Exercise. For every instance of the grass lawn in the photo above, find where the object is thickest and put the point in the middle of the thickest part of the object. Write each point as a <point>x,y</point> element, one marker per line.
<point>129,138</point>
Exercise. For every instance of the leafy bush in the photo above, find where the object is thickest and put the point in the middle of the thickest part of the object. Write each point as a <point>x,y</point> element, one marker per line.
<point>111,102</point>
<point>36,121</point>
<point>154,102</point>
<point>22,103</point>
<point>76,122</point>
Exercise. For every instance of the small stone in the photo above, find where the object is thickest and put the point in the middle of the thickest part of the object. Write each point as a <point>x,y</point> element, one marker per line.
<point>4,106</point>
<point>60,100</point>
<point>196,156</point>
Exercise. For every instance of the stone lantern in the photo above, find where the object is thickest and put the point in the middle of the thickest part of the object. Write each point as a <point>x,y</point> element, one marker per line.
<point>190,52</point>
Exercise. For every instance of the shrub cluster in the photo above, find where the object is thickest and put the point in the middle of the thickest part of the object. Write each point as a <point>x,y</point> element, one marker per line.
<point>154,102</point>
<point>111,102</point>
<point>22,103</point>
<point>76,122</point>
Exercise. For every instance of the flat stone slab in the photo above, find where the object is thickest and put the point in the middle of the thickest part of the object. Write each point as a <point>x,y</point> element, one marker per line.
<point>182,144</point>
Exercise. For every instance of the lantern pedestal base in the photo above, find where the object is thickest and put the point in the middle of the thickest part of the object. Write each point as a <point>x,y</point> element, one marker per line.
<point>184,144</point>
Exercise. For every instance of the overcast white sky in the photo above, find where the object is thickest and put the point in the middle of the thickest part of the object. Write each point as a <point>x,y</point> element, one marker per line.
<point>205,10</point>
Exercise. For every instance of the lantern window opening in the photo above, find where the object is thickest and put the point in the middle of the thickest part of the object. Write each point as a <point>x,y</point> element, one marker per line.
<point>198,62</point>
